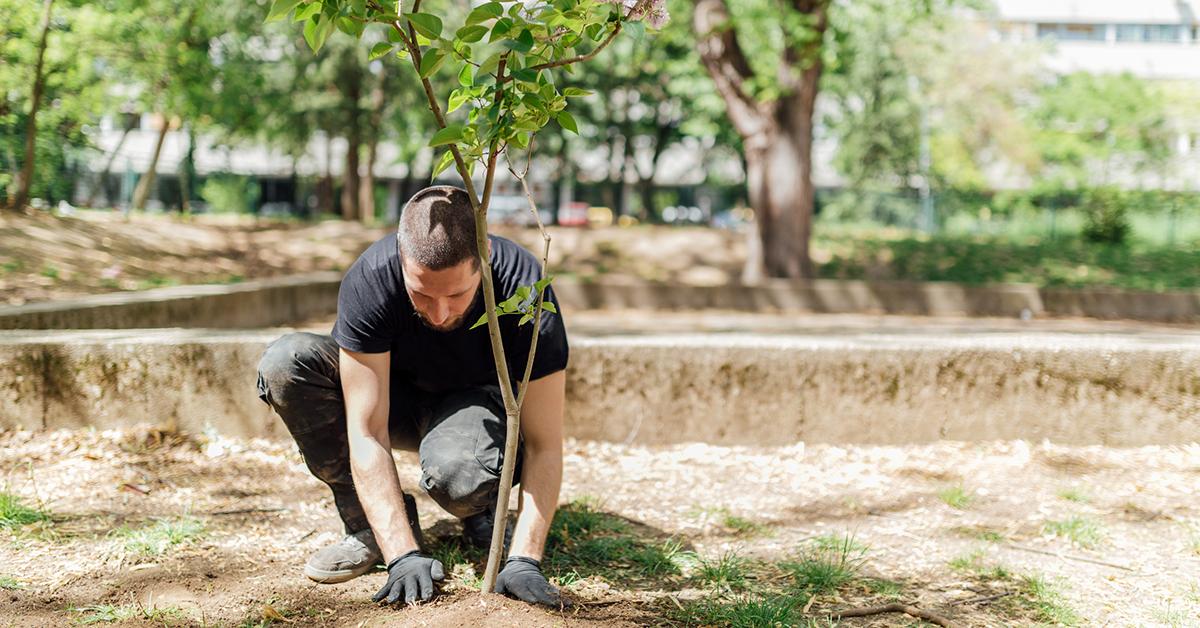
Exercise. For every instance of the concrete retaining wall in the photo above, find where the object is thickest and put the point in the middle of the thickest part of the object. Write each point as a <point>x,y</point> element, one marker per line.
<point>726,390</point>
<point>288,300</point>
<point>249,305</point>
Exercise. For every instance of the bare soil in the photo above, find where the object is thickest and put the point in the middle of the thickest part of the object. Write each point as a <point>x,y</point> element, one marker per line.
<point>45,257</point>
<point>263,514</point>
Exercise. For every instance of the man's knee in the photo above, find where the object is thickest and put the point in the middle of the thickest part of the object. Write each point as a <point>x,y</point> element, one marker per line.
<point>455,479</point>
<point>284,362</point>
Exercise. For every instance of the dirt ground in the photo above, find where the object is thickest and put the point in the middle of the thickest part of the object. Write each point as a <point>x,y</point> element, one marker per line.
<point>44,257</point>
<point>1109,537</point>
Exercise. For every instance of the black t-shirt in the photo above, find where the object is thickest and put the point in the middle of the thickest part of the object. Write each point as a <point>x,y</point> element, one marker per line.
<point>375,315</point>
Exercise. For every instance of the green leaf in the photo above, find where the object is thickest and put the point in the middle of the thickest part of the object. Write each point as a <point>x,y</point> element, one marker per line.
<point>523,43</point>
<point>471,34</point>
<point>567,121</point>
<point>316,32</point>
<point>448,135</point>
<point>378,50</point>
<point>442,164</point>
<point>351,27</point>
<point>464,75</point>
<point>549,307</point>
<point>307,11</point>
<point>636,29</point>
<point>393,35</point>
<point>430,63</point>
<point>457,99</point>
<point>573,92</point>
<point>426,24</point>
<point>523,292</point>
<point>525,319</point>
<point>500,29</point>
<point>541,284</point>
<point>280,9</point>
<point>485,12</point>
<point>482,321</point>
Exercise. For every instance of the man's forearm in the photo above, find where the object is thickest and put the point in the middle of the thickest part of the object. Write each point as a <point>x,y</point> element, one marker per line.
<point>541,480</point>
<point>378,489</point>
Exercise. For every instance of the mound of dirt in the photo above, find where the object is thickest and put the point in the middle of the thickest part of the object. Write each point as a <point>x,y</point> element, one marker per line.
<point>478,609</point>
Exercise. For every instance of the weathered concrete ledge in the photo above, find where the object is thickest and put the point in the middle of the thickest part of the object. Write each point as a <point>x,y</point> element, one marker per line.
<point>249,305</point>
<point>729,389</point>
<point>288,300</point>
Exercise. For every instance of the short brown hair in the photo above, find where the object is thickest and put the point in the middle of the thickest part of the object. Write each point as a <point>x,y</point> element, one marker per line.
<point>437,228</point>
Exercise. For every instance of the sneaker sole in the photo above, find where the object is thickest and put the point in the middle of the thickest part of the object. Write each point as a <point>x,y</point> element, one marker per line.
<point>335,576</point>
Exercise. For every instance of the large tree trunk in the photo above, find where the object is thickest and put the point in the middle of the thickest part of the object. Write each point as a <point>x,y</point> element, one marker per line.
<point>777,135</point>
<point>779,186</point>
<point>25,180</point>
<point>142,192</point>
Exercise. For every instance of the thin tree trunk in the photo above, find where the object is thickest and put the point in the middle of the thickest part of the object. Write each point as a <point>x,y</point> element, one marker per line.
<point>366,194</point>
<point>142,193</point>
<point>25,180</point>
<point>352,92</point>
<point>108,164</point>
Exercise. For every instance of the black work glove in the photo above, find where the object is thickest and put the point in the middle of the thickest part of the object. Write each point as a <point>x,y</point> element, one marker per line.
<point>411,576</point>
<point>522,578</point>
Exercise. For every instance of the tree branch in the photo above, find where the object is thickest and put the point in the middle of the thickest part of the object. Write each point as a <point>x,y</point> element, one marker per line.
<point>928,616</point>
<point>726,63</point>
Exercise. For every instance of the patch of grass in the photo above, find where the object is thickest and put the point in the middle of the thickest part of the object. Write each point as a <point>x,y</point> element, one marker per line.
<point>9,583</point>
<point>1193,540</point>
<point>743,611</point>
<point>580,519</point>
<point>889,589</point>
<point>741,526</point>
<point>272,612</point>
<point>1082,531</point>
<point>956,497</point>
<point>1173,617</point>
<point>157,281</point>
<point>1074,495</point>
<point>50,272</point>
<point>589,542</point>
<point>1039,595</point>
<point>11,267</point>
<point>828,563</point>
<point>972,562</point>
<point>982,533</point>
<point>14,513</point>
<point>109,613</point>
<point>154,540</point>
<point>726,573</point>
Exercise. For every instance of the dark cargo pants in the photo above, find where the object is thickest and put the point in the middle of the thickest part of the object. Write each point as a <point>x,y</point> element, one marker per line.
<point>459,435</point>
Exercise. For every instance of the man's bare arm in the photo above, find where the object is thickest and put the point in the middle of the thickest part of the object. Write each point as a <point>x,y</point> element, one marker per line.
<point>541,473</point>
<point>365,388</point>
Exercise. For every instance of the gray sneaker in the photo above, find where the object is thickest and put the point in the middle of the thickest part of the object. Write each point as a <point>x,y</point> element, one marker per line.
<point>356,553</point>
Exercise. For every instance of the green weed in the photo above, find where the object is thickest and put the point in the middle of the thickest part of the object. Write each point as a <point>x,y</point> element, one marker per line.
<point>10,583</point>
<point>1074,495</point>
<point>743,611</point>
<point>14,513</point>
<point>956,497</point>
<point>154,540</point>
<point>1082,531</point>
<point>727,572</point>
<point>830,562</point>
<point>109,613</point>
<point>1047,603</point>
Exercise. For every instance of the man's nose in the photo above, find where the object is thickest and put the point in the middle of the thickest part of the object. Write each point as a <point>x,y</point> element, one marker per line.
<point>441,312</point>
